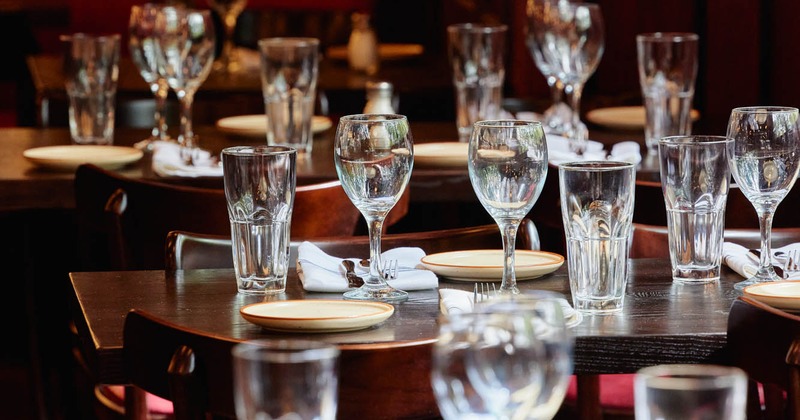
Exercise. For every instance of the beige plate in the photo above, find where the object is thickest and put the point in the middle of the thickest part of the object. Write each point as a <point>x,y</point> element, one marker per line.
<point>68,158</point>
<point>442,154</point>
<point>316,315</point>
<point>780,294</point>
<point>623,117</point>
<point>386,52</point>
<point>487,264</point>
<point>256,125</point>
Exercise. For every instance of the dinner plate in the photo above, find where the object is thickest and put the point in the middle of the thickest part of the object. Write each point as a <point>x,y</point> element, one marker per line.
<point>487,264</point>
<point>443,154</point>
<point>386,52</point>
<point>780,294</point>
<point>623,117</point>
<point>316,315</point>
<point>256,125</point>
<point>69,157</point>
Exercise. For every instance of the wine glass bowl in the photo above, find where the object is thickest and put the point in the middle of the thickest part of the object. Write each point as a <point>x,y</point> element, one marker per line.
<point>185,55</point>
<point>144,54</point>
<point>764,160</point>
<point>373,154</point>
<point>507,168</point>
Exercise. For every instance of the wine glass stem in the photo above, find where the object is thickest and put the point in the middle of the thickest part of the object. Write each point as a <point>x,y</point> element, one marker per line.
<point>576,132</point>
<point>508,231</point>
<point>227,46</point>
<point>186,138</point>
<point>765,224</point>
<point>556,89</point>
<point>374,229</point>
<point>160,90</point>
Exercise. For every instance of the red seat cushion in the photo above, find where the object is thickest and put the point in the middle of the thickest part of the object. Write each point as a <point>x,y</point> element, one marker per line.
<point>113,396</point>
<point>616,391</point>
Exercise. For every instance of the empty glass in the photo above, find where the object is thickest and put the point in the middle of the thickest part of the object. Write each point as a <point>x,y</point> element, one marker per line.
<point>185,55</point>
<point>764,162</point>
<point>144,53</point>
<point>573,40</point>
<point>374,154</point>
<point>507,165</point>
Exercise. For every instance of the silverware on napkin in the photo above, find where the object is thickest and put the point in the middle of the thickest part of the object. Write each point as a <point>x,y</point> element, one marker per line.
<point>353,280</point>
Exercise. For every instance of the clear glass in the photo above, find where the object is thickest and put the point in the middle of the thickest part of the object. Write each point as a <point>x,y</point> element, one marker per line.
<point>559,113</point>
<point>144,53</point>
<point>477,56</point>
<point>228,11</point>
<point>374,155</point>
<point>667,64</point>
<point>597,210</point>
<point>678,392</point>
<point>572,39</point>
<point>511,358</point>
<point>185,55</point>
<point>285,379</point>
<point>507,168</point>
<point>695,179</point>
<point>764,161</point>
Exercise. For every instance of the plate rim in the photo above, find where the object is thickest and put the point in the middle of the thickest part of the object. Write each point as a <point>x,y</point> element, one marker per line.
<point>385,306</point>
<point>131,155</point>
<point>591,116</point>
<point>558,260</point>
<point>749,290</point>
<point>260,132</point>
<point>317,324</point>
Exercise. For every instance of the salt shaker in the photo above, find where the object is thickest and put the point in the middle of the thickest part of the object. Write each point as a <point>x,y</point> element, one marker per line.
<point>379,98</point>
<point>362,48</point>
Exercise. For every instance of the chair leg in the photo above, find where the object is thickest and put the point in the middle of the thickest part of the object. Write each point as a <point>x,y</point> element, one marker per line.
<point>135,403</point>
<point>589,397</point>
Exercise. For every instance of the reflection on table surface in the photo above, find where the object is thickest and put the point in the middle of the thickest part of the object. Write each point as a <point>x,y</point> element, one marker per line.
<point>662,322</point>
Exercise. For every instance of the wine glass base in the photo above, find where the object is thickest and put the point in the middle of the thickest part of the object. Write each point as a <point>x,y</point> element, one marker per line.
<point>386,294</point>
<point>751,281</point>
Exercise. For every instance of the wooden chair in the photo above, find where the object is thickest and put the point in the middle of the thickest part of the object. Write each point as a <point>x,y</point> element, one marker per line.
<point>765,342</point>
<point>123,221</point>
<point>189,250</point>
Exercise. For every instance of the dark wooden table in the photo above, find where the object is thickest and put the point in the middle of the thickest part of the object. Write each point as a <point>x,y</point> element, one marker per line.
<point>662,322</point>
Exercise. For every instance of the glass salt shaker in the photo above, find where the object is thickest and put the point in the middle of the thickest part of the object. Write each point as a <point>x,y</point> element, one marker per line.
<point>379,98</point>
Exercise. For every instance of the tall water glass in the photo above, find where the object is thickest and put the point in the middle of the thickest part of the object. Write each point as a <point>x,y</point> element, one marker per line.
<point>667,72</point>
<point>678,392</point>
<point>507,167</point>
<point>597,210</point>
<point>289,68</point>
<point>374,154</point>
<point>573,41</point>
<point>695,178</point>
<point>764,162</point>
<point>285,379</point>
<point>558,113</point>
<point>259,186</point>
<point>91,70</point>
<point>144,53</point>
<point>185,55</point>
<point>228,11</point>
<point>477,54</point>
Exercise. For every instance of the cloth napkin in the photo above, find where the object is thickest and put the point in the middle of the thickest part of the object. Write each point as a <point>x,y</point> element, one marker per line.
<point>167,162</point>
<point>558,150</point>
<point>460,301</point>
<point>320,272</point>
<point>740,260</point>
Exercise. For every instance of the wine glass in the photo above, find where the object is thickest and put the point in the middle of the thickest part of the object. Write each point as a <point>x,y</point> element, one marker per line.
<point>373,154</point>
<point>764,161</point>
<point>141,42</point>
<point>510,358</point>
<point>228,11</point>
<point>573,40</point>
<point>185,54</point>
<point>507,168</point>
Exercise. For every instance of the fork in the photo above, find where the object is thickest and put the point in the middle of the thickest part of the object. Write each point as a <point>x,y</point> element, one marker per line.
<point>792,262</point>
<point>389,269</point>
<point>482,292</point>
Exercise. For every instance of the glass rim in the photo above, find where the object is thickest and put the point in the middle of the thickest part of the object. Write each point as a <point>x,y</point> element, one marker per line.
<point>694,140</point>
<point>703,376</point>
<point>668,36</point>
<point>764,109</point>
<point>370,118</point>
<point>284,351</point>
<point>477,27</point>
<point>258,150</point>
<point>505,123</point>
<point>596,166</point>
<point>287,41</point>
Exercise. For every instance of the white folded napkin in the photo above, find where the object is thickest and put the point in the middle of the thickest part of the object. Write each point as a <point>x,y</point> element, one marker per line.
<point>740,260</point>
<point>167,162</point>
<point>558,150</point>
<point>460,301</point>
<point>320,272</point>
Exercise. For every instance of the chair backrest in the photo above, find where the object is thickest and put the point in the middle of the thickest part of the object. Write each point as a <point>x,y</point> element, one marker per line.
<point>651,241</point>
<point>188,250</point>
<point>123,221</point>
<point>765,343</point>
